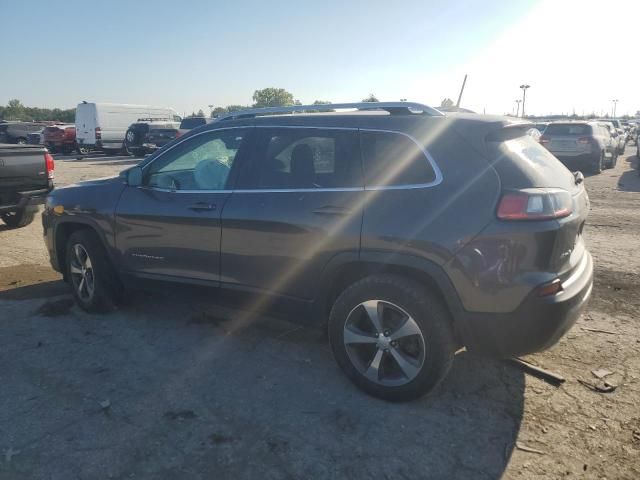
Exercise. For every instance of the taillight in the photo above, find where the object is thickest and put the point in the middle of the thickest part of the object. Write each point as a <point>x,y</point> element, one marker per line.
<point>535,204</point>
<point>584,140</point>
<point>98,133</point>
<point>49,165</point>
<point>544,140</point>
<point>69,132</point>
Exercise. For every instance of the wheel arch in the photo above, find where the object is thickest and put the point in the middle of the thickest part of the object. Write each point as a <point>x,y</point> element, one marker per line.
<point>344,270</point>
<point>64,230</point>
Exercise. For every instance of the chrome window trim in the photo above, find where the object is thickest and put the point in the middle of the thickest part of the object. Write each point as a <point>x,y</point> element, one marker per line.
<point>436,181</point>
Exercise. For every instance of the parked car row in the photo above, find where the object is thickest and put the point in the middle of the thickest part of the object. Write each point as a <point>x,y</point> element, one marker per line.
<point>586,145</point>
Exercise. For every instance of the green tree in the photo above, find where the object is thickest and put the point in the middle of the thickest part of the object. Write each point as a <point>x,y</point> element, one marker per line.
<point>371,98</point>
<point>216,112</point>
<point>201,113</point>
<point>15,110</point>
<point>272,97</point>
<point>447,103</point>
<point>235,108</point>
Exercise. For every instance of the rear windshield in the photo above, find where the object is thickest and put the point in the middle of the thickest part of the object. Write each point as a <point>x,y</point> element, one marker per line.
<point>522,162</point>
<point>192,122</point>
<point>568,129</point>
<point>140,127</point>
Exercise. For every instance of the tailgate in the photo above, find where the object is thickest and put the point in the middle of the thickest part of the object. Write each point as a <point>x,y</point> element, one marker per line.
<point>22,168</point>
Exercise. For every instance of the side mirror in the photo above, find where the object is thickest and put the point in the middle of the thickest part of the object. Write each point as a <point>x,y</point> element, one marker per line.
<point>134,177</point>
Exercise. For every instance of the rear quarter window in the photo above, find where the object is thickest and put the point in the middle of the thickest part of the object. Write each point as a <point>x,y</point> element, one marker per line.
<point>393,159</point>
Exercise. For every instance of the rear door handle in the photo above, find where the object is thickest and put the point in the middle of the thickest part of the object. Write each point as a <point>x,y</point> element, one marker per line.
<point>332,210</point>
<point>202,206</point>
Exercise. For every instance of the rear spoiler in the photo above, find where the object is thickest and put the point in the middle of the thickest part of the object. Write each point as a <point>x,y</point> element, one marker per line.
<point>510,131</point>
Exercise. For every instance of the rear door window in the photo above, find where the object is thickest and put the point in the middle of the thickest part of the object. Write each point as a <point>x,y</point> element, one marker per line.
<point>393,159</point>
<point>304,158</point>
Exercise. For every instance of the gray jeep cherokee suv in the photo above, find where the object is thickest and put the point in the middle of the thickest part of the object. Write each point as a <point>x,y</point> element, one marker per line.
<point>408,232</point>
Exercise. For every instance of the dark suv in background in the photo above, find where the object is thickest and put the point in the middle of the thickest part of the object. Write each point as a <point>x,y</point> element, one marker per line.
<point>149,134</point>
<point>408,232</point>
<point>585,146</point>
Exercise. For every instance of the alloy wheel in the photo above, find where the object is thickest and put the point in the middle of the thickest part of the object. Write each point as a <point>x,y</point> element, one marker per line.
<point>384,343</point>
<point>82,274</point>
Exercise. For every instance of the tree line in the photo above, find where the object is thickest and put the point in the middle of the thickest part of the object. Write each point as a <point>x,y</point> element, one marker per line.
<point>267,97</point>
<point>271,97</point>
<point>15,110</point>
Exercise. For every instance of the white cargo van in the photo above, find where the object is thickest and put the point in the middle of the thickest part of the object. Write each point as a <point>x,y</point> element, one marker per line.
<point>103,125</point>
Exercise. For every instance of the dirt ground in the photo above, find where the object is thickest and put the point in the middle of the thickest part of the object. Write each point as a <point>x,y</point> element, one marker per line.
<point>169,388</point>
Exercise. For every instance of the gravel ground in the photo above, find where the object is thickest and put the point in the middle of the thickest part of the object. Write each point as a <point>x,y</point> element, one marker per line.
<point>175,388</point>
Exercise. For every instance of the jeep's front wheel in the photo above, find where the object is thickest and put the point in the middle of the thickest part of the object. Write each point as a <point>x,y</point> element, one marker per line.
<point>391,337</point>
<point>92,278</point>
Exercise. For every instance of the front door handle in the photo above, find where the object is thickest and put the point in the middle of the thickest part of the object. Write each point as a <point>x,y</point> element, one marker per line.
<point>202,206</point>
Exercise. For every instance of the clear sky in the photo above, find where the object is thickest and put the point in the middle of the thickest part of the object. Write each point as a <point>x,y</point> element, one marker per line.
<point>576,55</point>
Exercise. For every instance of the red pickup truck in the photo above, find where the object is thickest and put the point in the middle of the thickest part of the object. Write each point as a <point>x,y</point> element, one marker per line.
<point>60,138</point>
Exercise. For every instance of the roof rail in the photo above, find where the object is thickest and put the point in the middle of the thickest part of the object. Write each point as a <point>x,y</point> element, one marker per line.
<point>391,107</point>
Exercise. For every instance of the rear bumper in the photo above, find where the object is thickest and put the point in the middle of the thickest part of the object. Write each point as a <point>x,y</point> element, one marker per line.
<point>18,200</point>
<point>584,160</point>
<point>537,324</point>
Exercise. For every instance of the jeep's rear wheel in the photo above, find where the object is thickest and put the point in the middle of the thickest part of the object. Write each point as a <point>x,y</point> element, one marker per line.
<point>391,337</point>
<point>93,281</point>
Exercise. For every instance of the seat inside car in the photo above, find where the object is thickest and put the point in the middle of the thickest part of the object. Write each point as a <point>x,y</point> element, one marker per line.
<point>210,174</point>
<point>302,169</point>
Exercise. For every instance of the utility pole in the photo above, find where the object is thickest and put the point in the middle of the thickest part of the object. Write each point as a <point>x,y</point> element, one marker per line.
<point>524,88</point>
<point>518,109</point>
<point>615,104</point>
<point>464,82</point>
<point>210,111</point>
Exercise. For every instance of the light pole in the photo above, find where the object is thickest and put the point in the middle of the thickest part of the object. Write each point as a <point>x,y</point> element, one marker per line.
<point>210,111</point>
<point>615,104</point>
<point>518,101</point>
<point>524,96</point>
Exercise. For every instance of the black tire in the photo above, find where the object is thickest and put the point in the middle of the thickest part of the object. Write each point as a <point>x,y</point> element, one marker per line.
<point>19,218</point>
<point>598,164</point>
<point>423,307</point>
<point>107,290</point>
<point>82,150</point>
<point>21,141</point>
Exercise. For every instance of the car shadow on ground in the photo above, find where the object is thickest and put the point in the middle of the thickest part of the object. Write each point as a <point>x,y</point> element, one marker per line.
<point>168,388</point>
<point>630,180</point>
